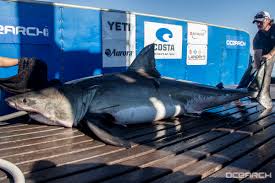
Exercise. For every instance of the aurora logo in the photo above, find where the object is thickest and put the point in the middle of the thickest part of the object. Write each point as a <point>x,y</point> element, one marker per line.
<point>164,34</point>
<point>117,53</point>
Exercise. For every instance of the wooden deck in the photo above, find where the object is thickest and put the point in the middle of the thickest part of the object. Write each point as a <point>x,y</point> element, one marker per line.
<point>226,139</point>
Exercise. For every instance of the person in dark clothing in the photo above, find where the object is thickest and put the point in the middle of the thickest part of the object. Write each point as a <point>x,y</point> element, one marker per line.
<point>258,75</point>
<point>32,75</point>
<point>264,55</point>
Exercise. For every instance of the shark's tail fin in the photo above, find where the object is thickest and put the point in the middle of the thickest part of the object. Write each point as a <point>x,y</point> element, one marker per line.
<point>257,81</point>
<point>253,79</point>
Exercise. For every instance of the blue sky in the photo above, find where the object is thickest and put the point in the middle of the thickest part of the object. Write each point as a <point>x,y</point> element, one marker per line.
<point>231,13</point>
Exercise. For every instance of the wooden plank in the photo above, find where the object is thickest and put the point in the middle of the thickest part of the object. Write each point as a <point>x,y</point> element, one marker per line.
<point>60,134</point>
<point>14,126</point>
<point>168,165</point>
<point>110,169</point>
<point>215,162</point>
<point>27,150</point>
<point>50,173</point>
<point>50,152</point>
<point>41,157</point>
<point>149,157</point>
<point>162,167</point>
<point>246,163</point>
<point>24,131</point>
<point>120,156</point>
<point>267,174</point>
<point>47,130</point>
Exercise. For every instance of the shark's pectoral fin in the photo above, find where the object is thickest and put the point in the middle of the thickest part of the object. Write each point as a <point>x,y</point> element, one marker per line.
<point>102,130</point>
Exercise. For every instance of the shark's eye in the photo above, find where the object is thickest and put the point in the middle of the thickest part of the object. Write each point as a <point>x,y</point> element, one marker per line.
<point>24,100</point>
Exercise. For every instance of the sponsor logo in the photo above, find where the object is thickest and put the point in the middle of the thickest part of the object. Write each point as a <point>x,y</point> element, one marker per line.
<point>235,43</point>
<point>198,35</point>
<point>196,55</point>
<point>166,37</point>
<point>24,31</point>
<point>117,53</point>
<point>119,26</point>
<point>164,34</point>
<point>164,47</point>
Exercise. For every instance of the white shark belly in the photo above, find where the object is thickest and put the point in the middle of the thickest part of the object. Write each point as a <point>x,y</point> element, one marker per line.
<point>146,113</point>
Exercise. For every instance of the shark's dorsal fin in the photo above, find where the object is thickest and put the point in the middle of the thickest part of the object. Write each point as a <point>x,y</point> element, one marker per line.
<point>220,85</point>
<point>145,62</point>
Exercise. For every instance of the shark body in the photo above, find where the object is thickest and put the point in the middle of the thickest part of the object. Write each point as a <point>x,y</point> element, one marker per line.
<point>139,95</point>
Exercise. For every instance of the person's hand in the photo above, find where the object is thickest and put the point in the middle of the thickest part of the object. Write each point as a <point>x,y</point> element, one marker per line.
<point>267,57</point>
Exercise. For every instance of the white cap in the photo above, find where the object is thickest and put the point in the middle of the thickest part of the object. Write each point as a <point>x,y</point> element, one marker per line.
<point>259,17</point>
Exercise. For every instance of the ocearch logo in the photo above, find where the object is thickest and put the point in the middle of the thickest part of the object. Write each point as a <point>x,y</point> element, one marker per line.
<point>235,43</point>
<point>25,31</point>
<point>164,34</point>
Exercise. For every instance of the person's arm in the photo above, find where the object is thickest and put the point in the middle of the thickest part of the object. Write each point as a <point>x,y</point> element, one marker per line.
<point>8,62</point>
<point>269,55</point>
<point>257,58</point>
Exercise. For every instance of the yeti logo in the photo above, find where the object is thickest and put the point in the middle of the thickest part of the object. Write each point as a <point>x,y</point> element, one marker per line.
<point>25,31</point>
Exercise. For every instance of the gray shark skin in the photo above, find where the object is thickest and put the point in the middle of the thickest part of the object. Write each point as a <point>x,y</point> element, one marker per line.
<point>138,95</point>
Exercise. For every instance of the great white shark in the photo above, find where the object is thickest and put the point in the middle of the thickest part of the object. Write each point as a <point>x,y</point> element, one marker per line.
<point>138,95</point>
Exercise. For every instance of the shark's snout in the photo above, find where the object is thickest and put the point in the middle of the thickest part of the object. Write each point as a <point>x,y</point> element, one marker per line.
<point>18,103</point>
<point>10,102</point>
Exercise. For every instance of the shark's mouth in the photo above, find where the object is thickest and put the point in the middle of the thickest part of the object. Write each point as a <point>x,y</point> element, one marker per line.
<point>39,117</point>
<point>42,119</point>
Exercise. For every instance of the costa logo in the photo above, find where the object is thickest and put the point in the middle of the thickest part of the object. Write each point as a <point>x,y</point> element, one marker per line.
<point>164,34</point>
<point>167,39</point>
